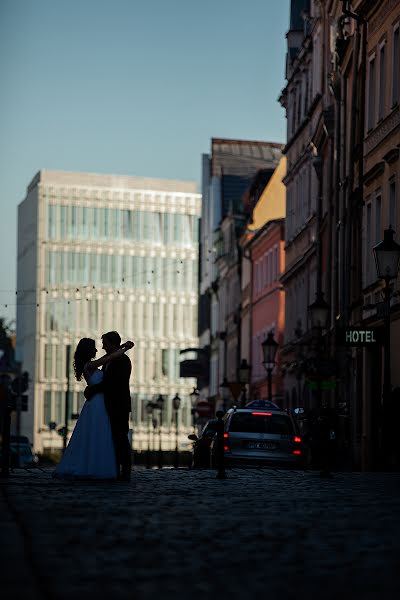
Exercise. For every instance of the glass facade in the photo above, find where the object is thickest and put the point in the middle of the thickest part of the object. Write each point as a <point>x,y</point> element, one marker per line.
<point>90,269</point>
<point>111,266</point>
<point>82,223</point>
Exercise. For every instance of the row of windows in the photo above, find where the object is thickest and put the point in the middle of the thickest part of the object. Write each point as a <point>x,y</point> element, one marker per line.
<point>266,270</point>
<point>110,270</point>
<point>117,195</point>
<point>384,65</point>
<point>374,226</point>
<point>83,223</point>
<point>306,86</point>
<point>138,319</point>
<point>299,196</point>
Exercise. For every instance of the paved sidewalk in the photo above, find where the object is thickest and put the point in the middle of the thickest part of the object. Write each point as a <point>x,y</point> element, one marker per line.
<point>173,534</point>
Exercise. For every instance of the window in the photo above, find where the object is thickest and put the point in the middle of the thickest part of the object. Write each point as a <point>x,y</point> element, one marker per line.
<point>165,362</point>
<point>392,203</point>
<point>371,94</point>
<point>273,424</point>
<point>368,244</point>
<point>396,67</point>
<point>63,221</point>
<point>73,221</point>
<point>47,408</point>
<point>106,223</point>
<point>95,228</point>
<point>47,361</point>
<point>116,223</point>
<point>382,62</point>
<point>51,225</point>
<point>148,223</point>
<point>85,222</point>
<point>59,361</point>
<point>127,224</point>
<point>59,405</point>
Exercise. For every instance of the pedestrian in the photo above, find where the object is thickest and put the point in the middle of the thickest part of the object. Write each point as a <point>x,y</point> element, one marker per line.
<point>323,432</point>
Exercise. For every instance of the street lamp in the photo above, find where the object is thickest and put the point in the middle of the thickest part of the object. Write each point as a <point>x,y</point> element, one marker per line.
<point>318,313</point>
<point>160,406</point>
<point>244,371</point>
<point>224,387</point>
<point>149,409</point>
<point>176,402</point>
<point>194,397</point>
<point>387,258</point>
<point>269,348</point>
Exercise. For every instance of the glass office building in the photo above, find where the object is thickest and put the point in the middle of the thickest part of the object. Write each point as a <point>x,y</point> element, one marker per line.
<point>99,253</point>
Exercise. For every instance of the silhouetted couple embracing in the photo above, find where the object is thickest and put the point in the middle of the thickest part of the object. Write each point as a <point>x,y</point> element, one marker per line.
<point>99,446</point>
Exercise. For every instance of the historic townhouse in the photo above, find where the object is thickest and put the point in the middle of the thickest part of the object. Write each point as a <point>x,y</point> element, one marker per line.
<point>307,190</point>
<point>227,174</point>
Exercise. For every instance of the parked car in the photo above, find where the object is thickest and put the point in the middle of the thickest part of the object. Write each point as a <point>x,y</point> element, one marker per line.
<point>26,457</point>
<point>201,445</point>
<point>260,437</point>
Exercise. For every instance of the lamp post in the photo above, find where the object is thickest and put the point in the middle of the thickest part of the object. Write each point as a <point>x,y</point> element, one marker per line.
<point>319,312</point>
<point>160,406</point>
<point>176,402</point>
<point>194,396</point>
<point>299,360</point>
<point>244,371</point>
<point>269,348</point>
<point>387,258</point>
<point>149,409</point>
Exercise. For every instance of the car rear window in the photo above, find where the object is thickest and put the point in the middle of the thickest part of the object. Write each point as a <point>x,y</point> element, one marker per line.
<point>248,423</point>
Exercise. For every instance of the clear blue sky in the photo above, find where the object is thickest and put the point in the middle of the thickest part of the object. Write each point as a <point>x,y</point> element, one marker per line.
<point>135,87</point>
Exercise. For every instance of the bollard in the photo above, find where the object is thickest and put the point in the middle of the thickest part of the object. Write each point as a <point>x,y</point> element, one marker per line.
<point>220,446</point>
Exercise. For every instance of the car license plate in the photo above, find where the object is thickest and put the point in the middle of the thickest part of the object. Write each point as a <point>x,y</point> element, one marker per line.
<point>262,445</point>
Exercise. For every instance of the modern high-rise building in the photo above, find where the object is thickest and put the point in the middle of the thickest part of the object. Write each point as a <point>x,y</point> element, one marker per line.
<point>99,253</point>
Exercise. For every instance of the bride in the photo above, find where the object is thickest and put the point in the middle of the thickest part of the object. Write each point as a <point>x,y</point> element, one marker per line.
<point>90,453</point>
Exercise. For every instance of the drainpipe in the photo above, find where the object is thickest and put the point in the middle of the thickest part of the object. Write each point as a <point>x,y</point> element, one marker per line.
<point>350,186</point>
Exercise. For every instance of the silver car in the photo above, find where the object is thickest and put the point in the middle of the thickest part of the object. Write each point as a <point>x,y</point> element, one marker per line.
<point>256,436</point>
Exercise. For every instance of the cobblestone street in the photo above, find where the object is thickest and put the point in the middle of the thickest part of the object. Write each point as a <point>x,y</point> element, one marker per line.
<point>179,533</point>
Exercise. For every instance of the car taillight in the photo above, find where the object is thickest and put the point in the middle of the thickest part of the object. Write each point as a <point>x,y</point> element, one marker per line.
<point>296,451</point>
<point>263,414</point>
<point>297,439</point>
<point>226,448</point>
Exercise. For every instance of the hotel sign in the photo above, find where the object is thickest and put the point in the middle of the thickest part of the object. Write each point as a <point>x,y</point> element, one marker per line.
<point>360,336</point>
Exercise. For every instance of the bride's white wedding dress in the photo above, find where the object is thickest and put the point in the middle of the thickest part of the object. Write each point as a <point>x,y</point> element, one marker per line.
<point>90,453</point>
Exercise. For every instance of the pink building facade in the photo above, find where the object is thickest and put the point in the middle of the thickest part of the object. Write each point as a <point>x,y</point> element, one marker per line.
<point>267,254</point>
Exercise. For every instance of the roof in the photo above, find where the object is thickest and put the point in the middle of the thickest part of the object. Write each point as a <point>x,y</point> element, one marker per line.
<point>68,178</point>
<point>243,157</point>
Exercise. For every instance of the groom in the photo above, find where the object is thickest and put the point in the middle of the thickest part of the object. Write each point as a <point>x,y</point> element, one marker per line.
<point>117,400</point>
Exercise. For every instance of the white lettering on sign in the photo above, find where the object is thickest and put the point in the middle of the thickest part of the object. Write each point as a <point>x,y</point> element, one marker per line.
<point>354,336</point>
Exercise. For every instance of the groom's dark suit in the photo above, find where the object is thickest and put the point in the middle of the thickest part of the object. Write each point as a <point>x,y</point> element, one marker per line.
<point>117,400</point>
